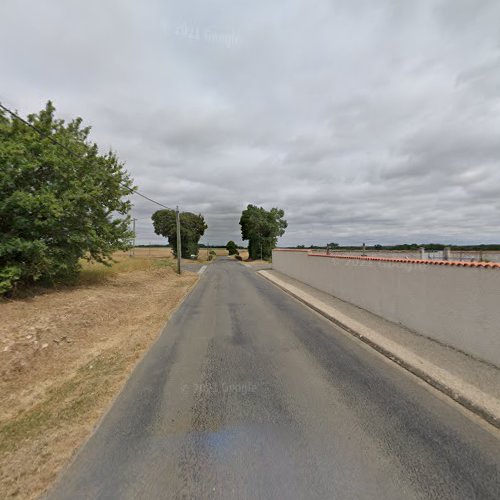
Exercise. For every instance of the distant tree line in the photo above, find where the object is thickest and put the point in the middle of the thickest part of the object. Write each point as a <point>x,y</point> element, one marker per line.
<point>218,245</point>
<point>433,247</point>
<point>167,245</point>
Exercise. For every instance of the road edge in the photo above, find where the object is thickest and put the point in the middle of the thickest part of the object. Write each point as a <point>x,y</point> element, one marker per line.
<point>422,369</point>
<point>76,452</point>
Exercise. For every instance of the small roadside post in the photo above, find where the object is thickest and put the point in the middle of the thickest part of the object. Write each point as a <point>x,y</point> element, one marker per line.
<point>179,252</point>
<point>447,253</point>
<point>132,249</point>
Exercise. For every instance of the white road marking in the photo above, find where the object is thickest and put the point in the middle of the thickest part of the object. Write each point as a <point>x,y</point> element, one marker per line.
<point>202,269</point>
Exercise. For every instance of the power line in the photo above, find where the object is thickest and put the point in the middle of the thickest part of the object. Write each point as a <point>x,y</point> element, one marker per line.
<point>132,191</point>
<point>71,152</point>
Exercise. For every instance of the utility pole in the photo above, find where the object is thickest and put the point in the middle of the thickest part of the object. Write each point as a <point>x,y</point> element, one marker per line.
<point>179,247</point>
<point>132,250</point>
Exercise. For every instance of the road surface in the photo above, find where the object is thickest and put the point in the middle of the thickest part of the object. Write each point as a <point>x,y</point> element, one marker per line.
<point>249,394</point>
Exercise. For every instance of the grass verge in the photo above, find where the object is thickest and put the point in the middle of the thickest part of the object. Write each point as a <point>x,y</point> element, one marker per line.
<point>65,354</point>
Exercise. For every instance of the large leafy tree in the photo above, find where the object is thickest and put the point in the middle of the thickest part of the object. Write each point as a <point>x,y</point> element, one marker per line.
<point>55,207</point>
<point>262,228</point>
<point>192,229</point>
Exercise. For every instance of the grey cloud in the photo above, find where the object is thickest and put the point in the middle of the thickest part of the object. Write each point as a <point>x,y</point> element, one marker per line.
<point>366,121</point>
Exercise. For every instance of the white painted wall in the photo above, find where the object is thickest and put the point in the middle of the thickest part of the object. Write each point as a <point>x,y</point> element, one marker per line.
<point>458,306</point>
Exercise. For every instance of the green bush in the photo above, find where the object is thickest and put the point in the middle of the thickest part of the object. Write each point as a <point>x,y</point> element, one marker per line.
<point>231,248</point>
<point>9,275</point>
<point>57,208</point>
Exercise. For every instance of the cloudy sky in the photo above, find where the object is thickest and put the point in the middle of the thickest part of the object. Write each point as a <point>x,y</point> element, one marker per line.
<point>365,120</point>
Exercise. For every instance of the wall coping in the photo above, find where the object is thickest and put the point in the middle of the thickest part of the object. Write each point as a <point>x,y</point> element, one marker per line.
<point>482,265</point>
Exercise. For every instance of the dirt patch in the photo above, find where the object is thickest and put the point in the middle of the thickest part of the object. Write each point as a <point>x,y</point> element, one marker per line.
<point>64,354</point>
<point>243,254</point>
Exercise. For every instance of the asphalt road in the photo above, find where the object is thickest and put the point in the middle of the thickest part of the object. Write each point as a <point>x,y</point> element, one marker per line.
<point>249,394</point>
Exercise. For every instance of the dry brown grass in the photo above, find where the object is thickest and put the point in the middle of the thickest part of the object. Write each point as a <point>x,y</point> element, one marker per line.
<point>204,252</point>
<point>243,254</point>
<point>142,260</point>
<point>159,253</point>
<point>64,355</point>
